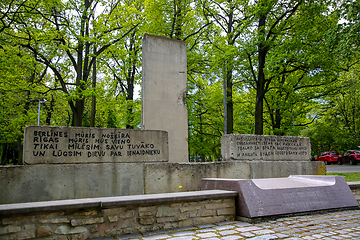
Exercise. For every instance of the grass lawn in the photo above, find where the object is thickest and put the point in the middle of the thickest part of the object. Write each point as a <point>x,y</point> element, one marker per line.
<point>349,177</point>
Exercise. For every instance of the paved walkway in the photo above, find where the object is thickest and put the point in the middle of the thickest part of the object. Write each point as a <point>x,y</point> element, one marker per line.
<point>335,225</point>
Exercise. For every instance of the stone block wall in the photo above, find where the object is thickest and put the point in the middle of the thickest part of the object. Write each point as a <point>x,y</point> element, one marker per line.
<point>355,188</point>
<point>84,223</point>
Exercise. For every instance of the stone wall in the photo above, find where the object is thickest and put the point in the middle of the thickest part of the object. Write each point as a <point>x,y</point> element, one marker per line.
<point>46,182</point>
<point>355,188</point>
<point>69,220</point>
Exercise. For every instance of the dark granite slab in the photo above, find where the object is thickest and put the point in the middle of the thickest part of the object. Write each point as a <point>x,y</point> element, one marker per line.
<point>278,196</point>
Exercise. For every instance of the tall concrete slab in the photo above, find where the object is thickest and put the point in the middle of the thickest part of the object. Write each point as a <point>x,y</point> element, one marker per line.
<point>164,91</point>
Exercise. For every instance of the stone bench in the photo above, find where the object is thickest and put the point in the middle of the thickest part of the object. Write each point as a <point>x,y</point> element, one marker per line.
<point>111,216</point>
<point>280,196</point>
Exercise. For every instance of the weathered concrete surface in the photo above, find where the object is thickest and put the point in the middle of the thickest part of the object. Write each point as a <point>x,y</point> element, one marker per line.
<point>278,196</point>
<point>167,177</point>
<point>164,91</point>
<point>265,147</point>
<point>177,177</point>
<point>272,169</point>
<point>45,144</point>
<point>47,182</point>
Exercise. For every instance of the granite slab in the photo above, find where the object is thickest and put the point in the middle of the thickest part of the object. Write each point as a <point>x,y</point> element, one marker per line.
<point>279,196</point>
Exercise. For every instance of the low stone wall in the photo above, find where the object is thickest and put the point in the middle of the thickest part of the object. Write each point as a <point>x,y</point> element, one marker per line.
<point>48,182</point>
<point>355,188</point>
<point>101,217</point>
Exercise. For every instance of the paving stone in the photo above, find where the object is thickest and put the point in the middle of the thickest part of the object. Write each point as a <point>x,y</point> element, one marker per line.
<point>247,229</point>
<point>156,237</point>
<point>308,238</point>
<point>264,237</point>
<point>206,235</point>
<point>337,237</point>
<point>247,234</point>
<point>224,227</point>
<point>206,230</point>
<point>185,233</point>
<point>228,232</point>
<point>345,236</point>
<point>262,232</point>
<point>280,235</point>
<point>231,237</point>
<point>183,238</point>
<point>242,224</point>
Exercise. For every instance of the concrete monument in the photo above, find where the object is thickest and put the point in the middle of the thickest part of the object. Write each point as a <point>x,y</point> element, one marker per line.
<point>45,144</point>
<point>163,92</point>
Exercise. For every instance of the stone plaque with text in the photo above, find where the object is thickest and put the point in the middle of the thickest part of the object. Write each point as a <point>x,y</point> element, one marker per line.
<point>45,144</point>
<point>265,147</point>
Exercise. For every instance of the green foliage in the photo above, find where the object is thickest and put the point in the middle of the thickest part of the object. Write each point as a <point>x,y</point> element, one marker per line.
<point>337,127</point>
<point>349,177</point>
<point>205,112</point>
<point>78,55</point>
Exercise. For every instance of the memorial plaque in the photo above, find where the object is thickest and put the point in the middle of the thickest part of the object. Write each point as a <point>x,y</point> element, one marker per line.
<point>45,144</point>
<point>278,196</point>
<point>262,147</point>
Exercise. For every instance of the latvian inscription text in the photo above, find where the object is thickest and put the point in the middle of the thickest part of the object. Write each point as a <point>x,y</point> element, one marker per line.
<point>44,144</point>
<point>264,147</point>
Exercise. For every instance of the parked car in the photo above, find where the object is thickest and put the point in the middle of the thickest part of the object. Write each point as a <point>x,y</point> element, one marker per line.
<point>328,157</point>
<point>350,156</point>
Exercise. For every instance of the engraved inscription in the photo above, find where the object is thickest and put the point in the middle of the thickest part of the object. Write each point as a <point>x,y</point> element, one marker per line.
<point>245,146</point>
<point>46,144</point>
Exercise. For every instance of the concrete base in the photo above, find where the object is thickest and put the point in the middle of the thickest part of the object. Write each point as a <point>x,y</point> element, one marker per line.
<point>48,182</point>
<point>279,196</point>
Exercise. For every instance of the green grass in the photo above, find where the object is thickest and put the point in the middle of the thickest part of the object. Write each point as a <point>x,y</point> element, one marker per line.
<point>349,177</point>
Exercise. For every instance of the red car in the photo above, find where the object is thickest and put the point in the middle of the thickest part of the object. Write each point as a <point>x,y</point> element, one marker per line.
<point>350,156</point>
<point>328,157</point>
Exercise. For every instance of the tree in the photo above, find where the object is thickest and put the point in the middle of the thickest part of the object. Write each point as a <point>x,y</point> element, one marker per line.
<point>230,18</point>
<point>21,86</point>
<point>338,124</point>
<point>205,120</point>
<point>277,42</point>
<point>62,34</point>
<point>123,65</point>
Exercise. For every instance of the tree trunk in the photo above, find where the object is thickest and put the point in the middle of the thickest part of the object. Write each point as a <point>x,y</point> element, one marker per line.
<point>260,87</point>
<point>229,102</point>
<point>93,99</point>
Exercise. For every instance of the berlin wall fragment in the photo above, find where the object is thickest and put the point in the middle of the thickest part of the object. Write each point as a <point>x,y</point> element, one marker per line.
<point>265,147</point>
<point>46,145</point>
<point>163,92</point>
